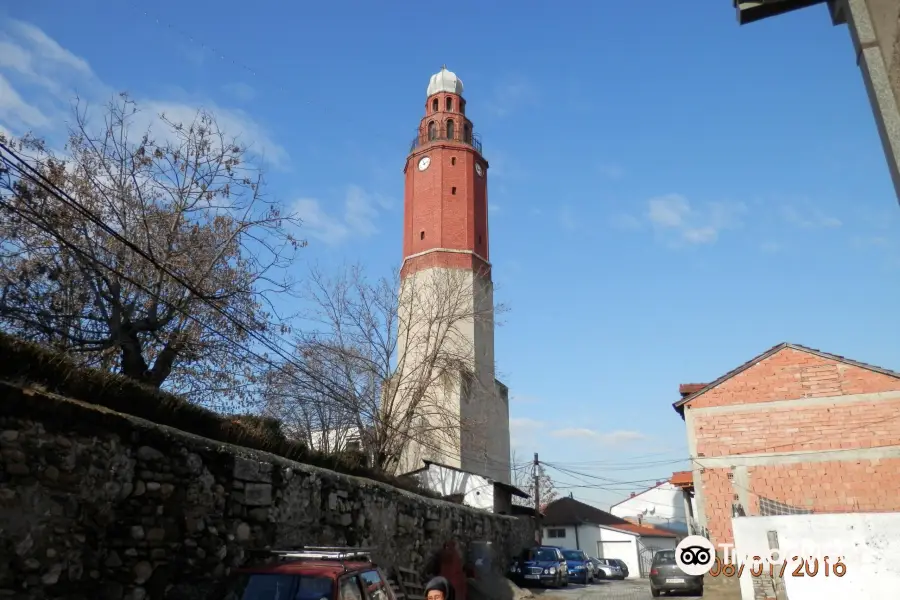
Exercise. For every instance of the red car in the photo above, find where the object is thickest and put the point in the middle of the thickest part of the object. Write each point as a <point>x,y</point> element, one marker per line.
<point>311,574</point>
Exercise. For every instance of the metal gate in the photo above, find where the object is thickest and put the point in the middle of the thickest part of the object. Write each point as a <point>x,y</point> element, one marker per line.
<point>645,557</point>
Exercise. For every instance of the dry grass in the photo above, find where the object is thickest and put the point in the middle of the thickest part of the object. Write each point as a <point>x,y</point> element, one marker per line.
<point>28,365</point>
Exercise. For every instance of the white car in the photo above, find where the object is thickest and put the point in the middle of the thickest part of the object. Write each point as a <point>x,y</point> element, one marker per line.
<point>605,568</point>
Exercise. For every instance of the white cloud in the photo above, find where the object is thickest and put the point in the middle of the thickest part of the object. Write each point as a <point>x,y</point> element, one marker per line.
<point>511,94</point>
<point>810,218</point>
<point>241,91</point>
<point>17,114</point>
<point>611,171</point>
<point>672,214</point>
<point>29,58</point>
<point>522,431</point>
<point>567,218</point>
<point>611,438</point>
<point>626,222</point>
<point>357,218</point>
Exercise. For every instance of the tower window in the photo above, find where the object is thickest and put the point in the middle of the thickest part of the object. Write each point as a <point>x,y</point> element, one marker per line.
<point>432,131</point>
<point>453,191</point>
<point>449,104</point>
<point>450,129</point>
<point>453,160</point>
<point>462,106</point>
<point>434,105</point>
<point>467,134</point>
<point>421,235</point>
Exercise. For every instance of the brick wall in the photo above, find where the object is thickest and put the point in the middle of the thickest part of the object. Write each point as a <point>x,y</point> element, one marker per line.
<point>791,374</point>
<point>832,486</point>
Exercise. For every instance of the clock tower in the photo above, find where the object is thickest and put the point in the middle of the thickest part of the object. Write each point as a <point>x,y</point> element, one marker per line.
<point>446,255</point>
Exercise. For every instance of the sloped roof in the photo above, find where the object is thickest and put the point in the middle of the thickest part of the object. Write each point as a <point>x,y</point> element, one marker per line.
<point>645,530</point>
<point>569,511</point>
<point>641,493</point>
<point>679,405</point>
<point>430,463</point>
<point>682,479</point>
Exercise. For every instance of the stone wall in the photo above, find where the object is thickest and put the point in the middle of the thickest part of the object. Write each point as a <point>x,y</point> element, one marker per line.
<point>97,504</point>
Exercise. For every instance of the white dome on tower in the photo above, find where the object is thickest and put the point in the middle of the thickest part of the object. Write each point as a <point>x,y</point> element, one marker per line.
<point>445,81</point>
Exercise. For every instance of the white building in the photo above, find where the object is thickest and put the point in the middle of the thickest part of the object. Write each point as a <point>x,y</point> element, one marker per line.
<point>664,505</point>
<point>467,488</point>
<point>575,525</point>
<point>336,440</point>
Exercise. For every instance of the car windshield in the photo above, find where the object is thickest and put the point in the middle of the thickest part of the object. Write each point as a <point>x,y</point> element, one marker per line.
<point>542,554</point>
<point>666,557</point>
<point>263,586</point>
<point>573,554</point>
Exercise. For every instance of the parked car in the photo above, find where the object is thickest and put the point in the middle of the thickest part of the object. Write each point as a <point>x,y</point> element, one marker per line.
<point>544,565</point>
<point>581,568</point>
<point>622,565</point>
<point>607,568</point>
<point>665,576</point>
<point>310,574</point>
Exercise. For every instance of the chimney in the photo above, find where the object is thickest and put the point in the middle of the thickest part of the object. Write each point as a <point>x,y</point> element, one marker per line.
<point>686,389</point>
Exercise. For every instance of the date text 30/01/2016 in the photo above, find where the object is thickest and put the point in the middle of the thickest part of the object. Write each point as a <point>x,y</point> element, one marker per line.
<point>796,567</point>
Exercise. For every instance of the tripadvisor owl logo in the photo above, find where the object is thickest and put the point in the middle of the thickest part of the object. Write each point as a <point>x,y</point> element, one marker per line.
<point>695,555</point>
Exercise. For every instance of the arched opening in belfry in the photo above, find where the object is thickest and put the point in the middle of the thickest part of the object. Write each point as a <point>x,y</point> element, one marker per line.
<point>467,134</point>
<point>432,131</point>
<point>450,129</point>
<point>434,105</point>
<point>449,104</point>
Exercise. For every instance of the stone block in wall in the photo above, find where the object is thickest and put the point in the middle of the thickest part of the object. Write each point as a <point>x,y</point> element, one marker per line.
<point>116,507</point>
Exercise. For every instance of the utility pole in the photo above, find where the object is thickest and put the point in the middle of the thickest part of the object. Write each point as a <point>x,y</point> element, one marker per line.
<point>539,533</point>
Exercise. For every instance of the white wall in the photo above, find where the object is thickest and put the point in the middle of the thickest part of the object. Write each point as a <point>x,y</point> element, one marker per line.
<point>335,439</point>
<point>601,542</point>
<point>869,543</point>
<point>478,491</point>
<point>662,506</point>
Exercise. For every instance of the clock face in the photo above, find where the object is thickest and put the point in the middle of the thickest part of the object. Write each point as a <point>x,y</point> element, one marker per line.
<point>479,170</point>
<point>424,162</point>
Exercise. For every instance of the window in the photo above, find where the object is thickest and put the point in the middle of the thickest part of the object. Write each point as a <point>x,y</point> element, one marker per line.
<point>350,589</point>
<point>353,446</point>
<point>556,533</point>
<point>453,191</point>
<point>434,105</point>
<point>374,584</point>
<point>421,235</point>
<point>450,129</point>
<point>313,588</point>
<point>453,161</point>
<point>449,104</point>
<point>467,134</point>
<point>432,131</point>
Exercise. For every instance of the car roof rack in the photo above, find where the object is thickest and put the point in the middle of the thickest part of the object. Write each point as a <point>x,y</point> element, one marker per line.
<point>337,553</point>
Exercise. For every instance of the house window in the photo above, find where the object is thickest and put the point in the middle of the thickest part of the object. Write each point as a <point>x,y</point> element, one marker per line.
<point>556,533</point>
<point>450,129</point>
<point>432,131</point>
<point>434,105</point>
<point>354,446</point>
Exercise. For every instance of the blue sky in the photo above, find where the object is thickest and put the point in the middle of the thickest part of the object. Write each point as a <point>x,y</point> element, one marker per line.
<point>670,194</point>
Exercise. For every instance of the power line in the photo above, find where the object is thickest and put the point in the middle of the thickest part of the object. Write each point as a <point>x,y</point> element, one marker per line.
<point>38,178</point>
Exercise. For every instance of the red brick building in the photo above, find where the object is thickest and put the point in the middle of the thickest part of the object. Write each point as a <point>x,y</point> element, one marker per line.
<point>793,430</point>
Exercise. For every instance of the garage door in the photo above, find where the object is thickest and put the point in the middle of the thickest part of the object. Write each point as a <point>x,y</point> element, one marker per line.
<point>625,550</point>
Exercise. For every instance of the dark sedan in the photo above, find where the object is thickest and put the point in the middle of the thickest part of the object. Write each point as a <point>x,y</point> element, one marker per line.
<point>543,564</point>
<point>665,576</point>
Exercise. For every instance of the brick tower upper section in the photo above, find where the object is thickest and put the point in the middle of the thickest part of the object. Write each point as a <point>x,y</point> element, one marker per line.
<point>445,222</point>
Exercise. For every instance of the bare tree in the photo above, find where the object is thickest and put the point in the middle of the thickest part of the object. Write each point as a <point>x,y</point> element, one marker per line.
<point>523,478</point>
<point>188,201</point>
<point>381,362</point>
